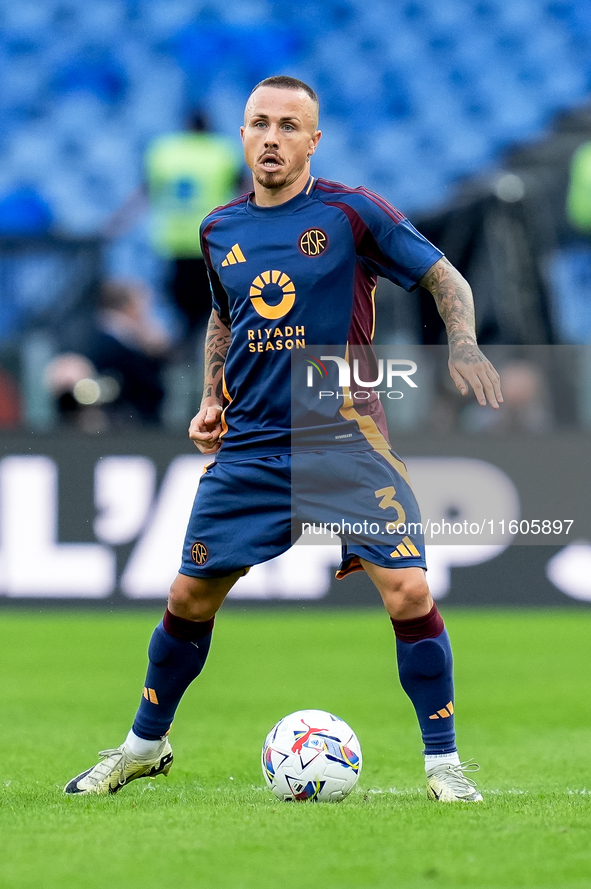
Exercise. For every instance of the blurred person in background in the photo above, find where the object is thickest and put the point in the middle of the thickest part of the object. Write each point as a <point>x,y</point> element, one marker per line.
<point>10,402</point>
<point>128,350</point>
<point>187,174</point>
<point>72,381</point>
<point>527,403</point>
<point>578,199</point>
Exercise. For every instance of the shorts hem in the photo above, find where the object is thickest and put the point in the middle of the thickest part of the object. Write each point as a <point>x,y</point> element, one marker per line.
<point>352,564</point>
<point>223,572</point>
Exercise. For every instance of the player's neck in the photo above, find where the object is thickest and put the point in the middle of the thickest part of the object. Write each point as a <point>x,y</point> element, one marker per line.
<point>273,197</point>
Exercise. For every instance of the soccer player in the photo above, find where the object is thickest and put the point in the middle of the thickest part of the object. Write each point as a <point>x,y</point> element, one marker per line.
<point>295,262</point>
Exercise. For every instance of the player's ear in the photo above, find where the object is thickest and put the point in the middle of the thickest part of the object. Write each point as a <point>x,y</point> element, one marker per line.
<point>314,142</point>
<point>242,133</point>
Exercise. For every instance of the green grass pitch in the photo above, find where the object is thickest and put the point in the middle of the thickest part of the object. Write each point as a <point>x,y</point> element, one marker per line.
<point>70,683</point>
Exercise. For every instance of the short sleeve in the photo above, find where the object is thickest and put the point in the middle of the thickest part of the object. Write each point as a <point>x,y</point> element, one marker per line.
<point>391,246</point>
<point>219,297</point>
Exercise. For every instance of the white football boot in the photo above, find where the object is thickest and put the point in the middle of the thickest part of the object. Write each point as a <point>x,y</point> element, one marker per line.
<point>118,767</point>
<point>447,783</point>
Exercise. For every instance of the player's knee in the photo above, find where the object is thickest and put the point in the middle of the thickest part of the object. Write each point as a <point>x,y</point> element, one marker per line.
<point>188,596</point>
<point>407,597</point>
<point>199,598</point>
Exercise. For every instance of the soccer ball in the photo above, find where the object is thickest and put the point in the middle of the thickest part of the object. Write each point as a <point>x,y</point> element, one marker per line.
<point>311,755</point>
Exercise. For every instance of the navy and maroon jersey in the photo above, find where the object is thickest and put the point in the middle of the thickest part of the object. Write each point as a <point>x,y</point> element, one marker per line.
<point>286,279</point>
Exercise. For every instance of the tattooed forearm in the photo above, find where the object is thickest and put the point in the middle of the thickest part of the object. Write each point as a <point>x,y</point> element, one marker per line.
<point>217,342</point>
<point>467,365</point>
<point>453,298</point>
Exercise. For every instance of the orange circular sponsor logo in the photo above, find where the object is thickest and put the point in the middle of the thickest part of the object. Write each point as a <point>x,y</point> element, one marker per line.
<point>199,553</point>
<point>280,280</point>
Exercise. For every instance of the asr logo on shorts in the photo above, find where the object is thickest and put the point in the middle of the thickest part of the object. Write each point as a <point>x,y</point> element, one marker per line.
<point>199,553</point>
<point>313,242</point>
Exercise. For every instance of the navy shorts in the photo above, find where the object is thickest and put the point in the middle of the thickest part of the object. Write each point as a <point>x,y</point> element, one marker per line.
<point>249,511</point>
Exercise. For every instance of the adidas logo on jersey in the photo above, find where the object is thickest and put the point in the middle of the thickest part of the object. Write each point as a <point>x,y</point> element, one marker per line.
<point>406,548</point>
<point>235,255</point>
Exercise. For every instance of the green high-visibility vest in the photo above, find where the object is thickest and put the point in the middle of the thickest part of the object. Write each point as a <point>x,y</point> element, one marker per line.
<point>188,175</point>
<point>578,201</point>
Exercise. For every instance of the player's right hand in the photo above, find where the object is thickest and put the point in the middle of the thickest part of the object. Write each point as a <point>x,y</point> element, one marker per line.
<point>206,428</point>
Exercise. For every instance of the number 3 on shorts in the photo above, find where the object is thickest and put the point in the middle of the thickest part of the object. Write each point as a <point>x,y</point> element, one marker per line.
<point>387,495</point>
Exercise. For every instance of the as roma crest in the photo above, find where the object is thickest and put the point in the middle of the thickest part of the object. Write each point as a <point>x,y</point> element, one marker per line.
<point>313,242</point>
<point>199,553</point>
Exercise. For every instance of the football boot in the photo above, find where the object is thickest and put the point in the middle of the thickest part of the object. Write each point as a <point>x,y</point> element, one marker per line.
<point>447,783</point>
<point>118,767</point>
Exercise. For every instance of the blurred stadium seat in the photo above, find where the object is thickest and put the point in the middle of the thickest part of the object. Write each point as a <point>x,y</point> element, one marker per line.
<point>87,85</point>
<point>416,96</point>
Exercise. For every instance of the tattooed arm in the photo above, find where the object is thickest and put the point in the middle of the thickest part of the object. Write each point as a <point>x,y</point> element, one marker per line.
<point>206,426</point>
<point>467,364</point>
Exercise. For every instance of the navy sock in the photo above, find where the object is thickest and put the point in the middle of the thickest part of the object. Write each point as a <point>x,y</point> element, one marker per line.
<point>177,652</point>
<point>425,667</point>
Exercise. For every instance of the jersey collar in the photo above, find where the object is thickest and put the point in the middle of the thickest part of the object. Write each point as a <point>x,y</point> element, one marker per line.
<point>282,209</point>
